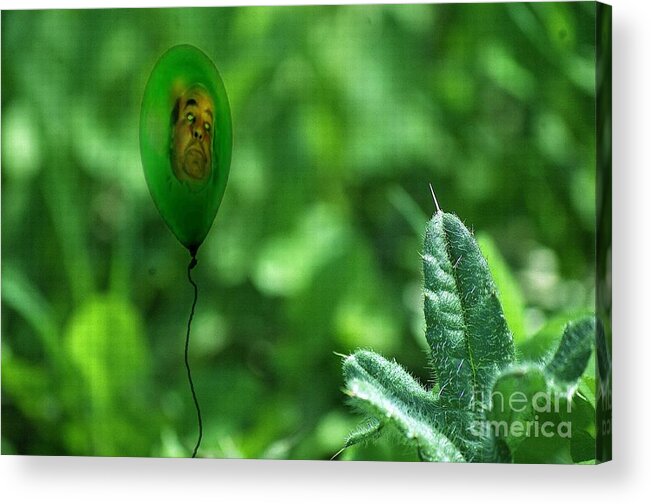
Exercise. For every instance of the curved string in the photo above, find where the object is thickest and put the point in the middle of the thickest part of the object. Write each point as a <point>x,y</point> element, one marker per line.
<point>193,263</point>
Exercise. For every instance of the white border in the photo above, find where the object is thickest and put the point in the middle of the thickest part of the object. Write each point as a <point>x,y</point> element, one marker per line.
<point>73,479</point>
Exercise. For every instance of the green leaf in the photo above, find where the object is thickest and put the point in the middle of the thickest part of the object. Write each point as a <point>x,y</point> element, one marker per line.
<point>541,345</point>
<point>509,291</point>
<point>21,295</point>
<point>530,412</point>
<point>105,341</point>
<point>511,402</point>
<point>466,328</point>
<point>30,387</point>
<point>484,408</point>
<point>385,391</point>
<point>573,352</point>
<point>604,361</point>
<point>389,376</point>
<point>583,446</point>
<point>543,450</point>
<point>366,431</point>
<point>405,205</point>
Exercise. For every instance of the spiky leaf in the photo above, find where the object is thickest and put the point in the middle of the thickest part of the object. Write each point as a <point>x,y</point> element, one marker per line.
<point>366,431</point>
<point>473,360</point>
<point>573,352</point>
<point>386,391</point>
<point>466,329</point>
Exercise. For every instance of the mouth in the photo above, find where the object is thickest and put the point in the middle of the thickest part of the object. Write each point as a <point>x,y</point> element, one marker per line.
<point>195,162</point>
<point>196,146</point>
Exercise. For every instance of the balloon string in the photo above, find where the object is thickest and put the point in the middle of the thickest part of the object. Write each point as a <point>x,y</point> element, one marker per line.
<point>192,264</point>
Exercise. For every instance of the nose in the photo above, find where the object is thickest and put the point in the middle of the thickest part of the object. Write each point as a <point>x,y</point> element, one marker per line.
<point>197,133</point>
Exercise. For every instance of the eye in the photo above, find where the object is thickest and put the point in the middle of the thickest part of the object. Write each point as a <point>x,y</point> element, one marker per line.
<point>190,117</point>
<point>207,126</point>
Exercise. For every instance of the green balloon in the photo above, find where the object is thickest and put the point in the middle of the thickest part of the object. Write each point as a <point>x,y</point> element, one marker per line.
<point>186,139</point>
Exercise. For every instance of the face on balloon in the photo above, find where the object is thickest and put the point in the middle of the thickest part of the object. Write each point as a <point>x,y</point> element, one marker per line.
<point>192,135</point>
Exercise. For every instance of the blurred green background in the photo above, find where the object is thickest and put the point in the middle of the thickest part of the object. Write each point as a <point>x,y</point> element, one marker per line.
<point>341,116</point>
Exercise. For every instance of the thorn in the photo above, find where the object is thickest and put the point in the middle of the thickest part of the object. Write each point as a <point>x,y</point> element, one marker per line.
<point>438,208</point>
<point>343,356</point>
<point>338,453</point>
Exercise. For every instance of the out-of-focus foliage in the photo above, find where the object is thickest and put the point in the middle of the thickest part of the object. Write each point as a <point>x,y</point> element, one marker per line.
<point>341,117</point>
